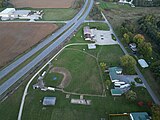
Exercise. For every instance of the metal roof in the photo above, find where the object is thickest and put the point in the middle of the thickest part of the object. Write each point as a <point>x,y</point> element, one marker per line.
<point>49,100</point>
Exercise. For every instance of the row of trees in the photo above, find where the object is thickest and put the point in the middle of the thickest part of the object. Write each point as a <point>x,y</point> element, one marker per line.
<point>151,26</point>
<point>95,13</point>
<point>129,35</point>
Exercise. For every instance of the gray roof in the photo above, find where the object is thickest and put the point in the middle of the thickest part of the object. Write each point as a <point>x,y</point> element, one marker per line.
<point>49,101</point>
<point>140,116</point>
<point>113,74</point>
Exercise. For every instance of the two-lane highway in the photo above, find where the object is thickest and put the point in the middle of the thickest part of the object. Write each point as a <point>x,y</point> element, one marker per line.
<point>48,50</point>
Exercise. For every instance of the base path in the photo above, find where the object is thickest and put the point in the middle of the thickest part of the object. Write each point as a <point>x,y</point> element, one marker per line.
<point>67,76</point>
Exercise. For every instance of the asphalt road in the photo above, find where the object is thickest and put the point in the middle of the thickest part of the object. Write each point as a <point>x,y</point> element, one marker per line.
<point>154,97</point>
<point>16,63</point>
<point>48,50</point>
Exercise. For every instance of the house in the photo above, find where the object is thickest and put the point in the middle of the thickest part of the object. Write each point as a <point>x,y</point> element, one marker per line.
<point>114,72</point>
<point>49,101</point>
<point>116,92</point>
<point>139,116</point>
<point>143,63</point>
<point>87,33</point>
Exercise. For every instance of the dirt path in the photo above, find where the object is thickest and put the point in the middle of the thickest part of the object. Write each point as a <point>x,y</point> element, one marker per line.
<point>67,76</point>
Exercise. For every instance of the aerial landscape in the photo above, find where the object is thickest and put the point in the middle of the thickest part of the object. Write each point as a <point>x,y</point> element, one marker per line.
<point>79,60</point>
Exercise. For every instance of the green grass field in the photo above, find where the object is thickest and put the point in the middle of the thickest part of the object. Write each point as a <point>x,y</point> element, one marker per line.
<point>59,14</point>
<point>83,69</point>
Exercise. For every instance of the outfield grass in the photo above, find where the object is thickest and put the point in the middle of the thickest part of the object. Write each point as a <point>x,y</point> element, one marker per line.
<point>83,69</point>
<point>59,14</point>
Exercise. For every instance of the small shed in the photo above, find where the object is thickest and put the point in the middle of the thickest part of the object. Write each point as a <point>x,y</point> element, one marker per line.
<point>143,63</point>
<point>116,92</point>
<point>49,101</point>
<point>91,46</point>
<point>139,116</point>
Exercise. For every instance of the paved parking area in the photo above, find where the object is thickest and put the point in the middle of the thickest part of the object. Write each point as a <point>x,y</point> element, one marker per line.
<point>103,37</point>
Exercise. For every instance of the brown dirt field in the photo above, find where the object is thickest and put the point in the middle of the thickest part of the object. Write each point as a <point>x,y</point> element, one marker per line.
<point>42,3</point>
<point>66,76</point>
<point>18,37</point>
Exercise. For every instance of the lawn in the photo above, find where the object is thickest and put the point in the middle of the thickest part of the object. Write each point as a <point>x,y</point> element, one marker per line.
<point>59,14</point>
<point>83,69</point>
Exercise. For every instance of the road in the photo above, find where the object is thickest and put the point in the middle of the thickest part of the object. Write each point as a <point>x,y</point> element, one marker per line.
<point>46,52</point>
<point>16,63</point>
<point>154,97</point>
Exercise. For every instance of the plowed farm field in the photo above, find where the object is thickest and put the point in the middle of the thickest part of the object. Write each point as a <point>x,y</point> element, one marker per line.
<point>42,3</point>
<point>16,38</point>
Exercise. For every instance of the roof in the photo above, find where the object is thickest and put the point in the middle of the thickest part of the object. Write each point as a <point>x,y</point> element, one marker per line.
<point>22,12</point>
<point>139,116</point>
<point>143,63</point>
<point>8,10</point>
<point>91,46</point>
<point>116,92</point>
<point>49,100</point>
<point>113,72</point>
<point>86,30</point>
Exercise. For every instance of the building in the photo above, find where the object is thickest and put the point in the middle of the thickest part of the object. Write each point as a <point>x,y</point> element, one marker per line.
<point>139,116</point>
<point>49,101</point>
<point>7,12</point>
<point>116,92</point>
<point>114,72</point>
<point>12,13</point>
<point>91,46</point>
<point>143,63</point>
<point>87,33</point>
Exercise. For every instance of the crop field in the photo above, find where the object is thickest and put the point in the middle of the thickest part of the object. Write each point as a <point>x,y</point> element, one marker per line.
<point>16,38</point>
<point>42,3</point>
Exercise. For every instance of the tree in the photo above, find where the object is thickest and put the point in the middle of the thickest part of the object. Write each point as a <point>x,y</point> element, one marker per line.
<point>128,62</point>
<point>145,48</point>
<point>108,83</point>
<point>126,38</point>
<point>138,39</point>
<point>103,65</point>
<point>131,95</point>
<point>155,112</point>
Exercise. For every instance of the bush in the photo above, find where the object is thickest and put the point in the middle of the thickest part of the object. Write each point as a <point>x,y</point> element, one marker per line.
<point>138,80</point>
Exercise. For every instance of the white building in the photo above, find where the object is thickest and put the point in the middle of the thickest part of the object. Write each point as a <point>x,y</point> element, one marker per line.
<point>7,12</point>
